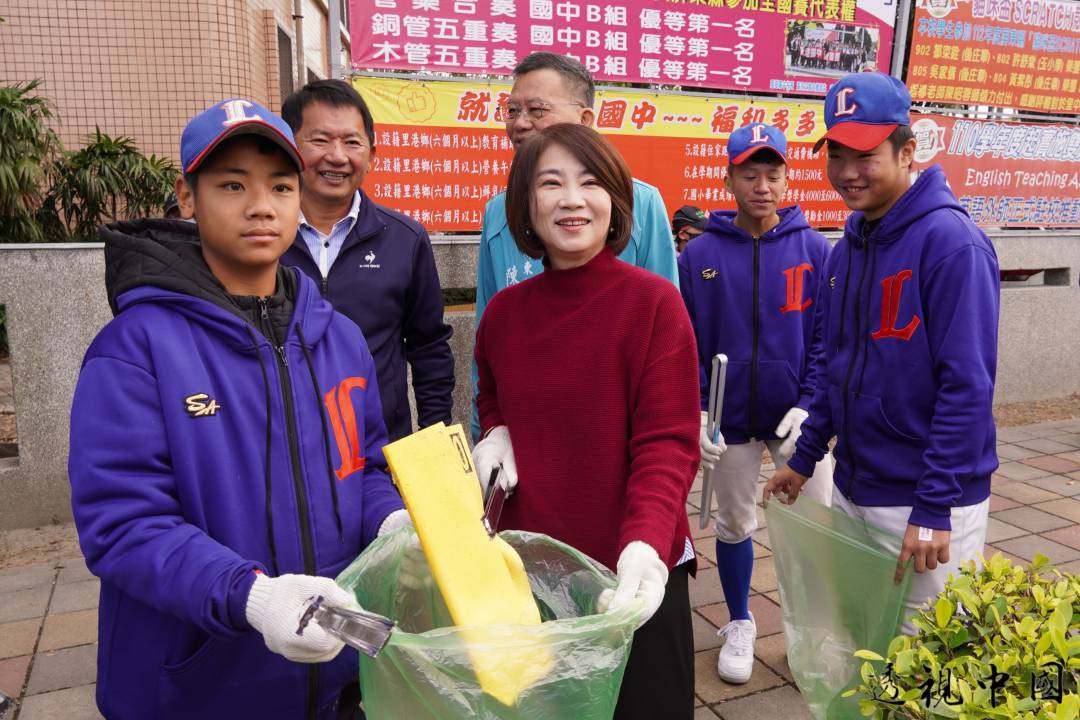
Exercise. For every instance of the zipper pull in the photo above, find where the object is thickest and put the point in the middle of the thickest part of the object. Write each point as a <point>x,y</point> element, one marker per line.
<point>264,311</point>
<point>325,284</point>
<point>281,351</point>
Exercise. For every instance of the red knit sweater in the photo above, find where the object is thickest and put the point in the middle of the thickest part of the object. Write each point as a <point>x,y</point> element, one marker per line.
<point>594,372</point>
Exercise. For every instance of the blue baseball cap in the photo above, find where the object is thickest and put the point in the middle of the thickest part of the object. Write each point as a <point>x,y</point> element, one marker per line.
<point>230,118</point>
<point>863,109</point>
<point>746,141</point>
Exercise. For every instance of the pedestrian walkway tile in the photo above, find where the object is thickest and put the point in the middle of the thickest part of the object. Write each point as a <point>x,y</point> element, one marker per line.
<point>75,703</point>
<point>1030,519</point>
<point>59,669</point>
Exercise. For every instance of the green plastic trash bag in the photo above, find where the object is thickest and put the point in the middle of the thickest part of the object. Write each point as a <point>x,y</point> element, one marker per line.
<point>424,672</point>
<point>836,596</point>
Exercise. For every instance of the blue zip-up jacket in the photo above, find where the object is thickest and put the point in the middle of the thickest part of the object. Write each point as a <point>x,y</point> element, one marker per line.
<point>753,300</point>
<point>384,279</point>
<point>502,264</point>
<point>910,316</point>
<point>200,453</point>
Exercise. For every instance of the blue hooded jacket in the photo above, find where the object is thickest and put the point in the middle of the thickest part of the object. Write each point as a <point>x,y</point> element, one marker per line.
<point>200,453</point>
<point>910,323</point>
<point>385,280</point>
<point>753,299</point>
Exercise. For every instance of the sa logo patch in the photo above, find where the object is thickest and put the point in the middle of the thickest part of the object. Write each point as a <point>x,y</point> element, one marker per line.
<point>709,274</point>
<point>201,405</point>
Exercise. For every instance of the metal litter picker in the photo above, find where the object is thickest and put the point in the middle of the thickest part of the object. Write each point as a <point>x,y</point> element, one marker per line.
<point>717,381</point>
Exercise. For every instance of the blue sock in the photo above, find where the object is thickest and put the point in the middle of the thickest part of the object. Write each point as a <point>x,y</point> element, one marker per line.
<point>735,562</point>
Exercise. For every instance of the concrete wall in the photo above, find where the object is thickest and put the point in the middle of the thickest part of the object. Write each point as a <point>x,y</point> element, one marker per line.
<point>55,300</point>
<point>1040,325</point>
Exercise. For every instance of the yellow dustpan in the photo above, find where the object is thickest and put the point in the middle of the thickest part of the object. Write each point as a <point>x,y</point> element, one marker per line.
<point>481,578</point>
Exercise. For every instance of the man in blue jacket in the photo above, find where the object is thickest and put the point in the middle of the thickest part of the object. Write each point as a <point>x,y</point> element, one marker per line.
<point>749,283</point>
<point>374,264</point>
<point>226,446</point>
<point>551,89</point>
<point>910,324</point>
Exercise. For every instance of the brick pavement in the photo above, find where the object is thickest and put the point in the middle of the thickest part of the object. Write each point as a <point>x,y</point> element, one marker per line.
<point>48,612</point>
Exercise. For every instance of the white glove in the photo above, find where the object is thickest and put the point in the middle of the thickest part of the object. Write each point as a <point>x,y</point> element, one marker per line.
<point>710,451</point>
<point>493,450</point>
<point>394,521</point>
<point>414,572</point>
<point>275,606</point>
<point>642,574</point>
<point>790,428</point>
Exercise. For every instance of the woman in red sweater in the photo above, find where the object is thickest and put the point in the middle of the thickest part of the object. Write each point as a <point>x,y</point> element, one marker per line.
<point>588,393</point>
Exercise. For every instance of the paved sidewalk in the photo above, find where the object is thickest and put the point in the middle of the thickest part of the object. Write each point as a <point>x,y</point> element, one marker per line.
<point>48,618</point>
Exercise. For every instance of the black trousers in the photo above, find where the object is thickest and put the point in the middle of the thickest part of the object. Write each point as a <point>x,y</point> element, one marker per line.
<point>349,703</point>
<point>659,679</point>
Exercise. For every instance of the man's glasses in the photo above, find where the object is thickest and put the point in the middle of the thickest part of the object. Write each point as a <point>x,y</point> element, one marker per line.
<point>535,111</point>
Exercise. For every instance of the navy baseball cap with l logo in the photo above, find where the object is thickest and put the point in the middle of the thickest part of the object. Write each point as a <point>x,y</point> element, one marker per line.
<point>863,109</point>
<point>746,141</point>
<point>230,118</point>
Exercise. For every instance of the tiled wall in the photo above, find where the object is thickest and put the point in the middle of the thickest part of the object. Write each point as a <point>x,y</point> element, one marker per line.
<point>142,68</point>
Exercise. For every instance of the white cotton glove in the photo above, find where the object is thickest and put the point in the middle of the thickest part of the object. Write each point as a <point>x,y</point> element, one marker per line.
<point>394,521</point>
<point>642,574</point>
<point>790,428</point>
<point>493,450</point>
<point>275,606</point>
<point>414,572</point>
<point>710,451</point>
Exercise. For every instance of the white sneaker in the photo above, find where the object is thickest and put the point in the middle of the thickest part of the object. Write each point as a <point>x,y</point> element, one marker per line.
<point>737,655</point>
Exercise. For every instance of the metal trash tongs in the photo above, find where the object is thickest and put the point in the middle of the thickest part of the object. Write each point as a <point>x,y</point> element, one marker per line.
<point>717,381</point>
<point>496,498</point>
<point>366,631</point>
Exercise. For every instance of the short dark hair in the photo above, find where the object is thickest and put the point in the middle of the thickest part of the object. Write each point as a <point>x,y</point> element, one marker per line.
<point>900,136</point>
<point>263,146</point>
<point>573,73</point>
<point>598,156</point>
<point>336,93</point>
<point>764,155</point>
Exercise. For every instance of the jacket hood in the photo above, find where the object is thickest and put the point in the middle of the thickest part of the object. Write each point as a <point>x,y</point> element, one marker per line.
<point>722,222</point>
<point>930,192</point>
<point>160,261</point>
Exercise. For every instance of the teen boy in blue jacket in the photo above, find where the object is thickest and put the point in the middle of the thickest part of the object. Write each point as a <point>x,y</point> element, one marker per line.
<point>226,446</point>
<point>910,314</point>
<point>749,283</point>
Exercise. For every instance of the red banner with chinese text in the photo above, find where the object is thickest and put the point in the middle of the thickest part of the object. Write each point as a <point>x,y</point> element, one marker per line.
<point>786,46</point>
<point>442,150</point>
<point>442,153</point>
<point>1006,174</point>
<point>1021,54</point>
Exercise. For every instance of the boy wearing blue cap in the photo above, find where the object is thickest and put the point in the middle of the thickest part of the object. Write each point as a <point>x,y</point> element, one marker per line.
<point>749,283</point>
<point>226,446</point>
<point>910,323</point>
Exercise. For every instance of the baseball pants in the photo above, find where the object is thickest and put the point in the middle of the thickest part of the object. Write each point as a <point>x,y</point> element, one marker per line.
<point>965,543</point>
<point>735,486</point>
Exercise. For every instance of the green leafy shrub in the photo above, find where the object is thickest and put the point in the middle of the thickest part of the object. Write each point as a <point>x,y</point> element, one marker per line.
<point>106,180</point>
<point>27,150</point>
<point>1000,642</point>
<point>459,296</point>
<point>48,194</point>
